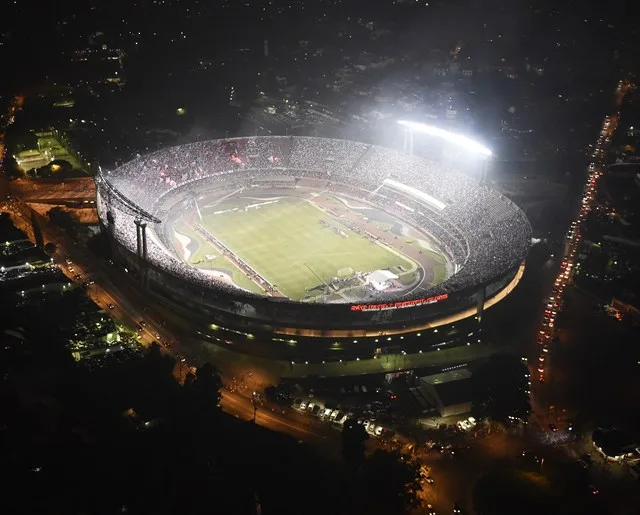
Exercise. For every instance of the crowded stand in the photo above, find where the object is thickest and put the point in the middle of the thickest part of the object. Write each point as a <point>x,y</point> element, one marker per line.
<point>482,232</point>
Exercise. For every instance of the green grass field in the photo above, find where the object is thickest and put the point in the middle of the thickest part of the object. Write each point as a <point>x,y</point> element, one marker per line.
<point>288,245</point>
<point>204,249</point>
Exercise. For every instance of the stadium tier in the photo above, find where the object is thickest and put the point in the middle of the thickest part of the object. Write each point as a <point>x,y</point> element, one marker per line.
<point>311,239</point>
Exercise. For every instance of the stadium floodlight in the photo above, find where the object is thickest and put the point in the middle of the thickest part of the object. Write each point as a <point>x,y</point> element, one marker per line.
<point>455,139</point>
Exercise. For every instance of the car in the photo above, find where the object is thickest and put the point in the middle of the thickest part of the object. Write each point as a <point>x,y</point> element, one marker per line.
<point>139,328</point>
<point>77,276</point>
<point>379,430</point>
<point>463,425</point>
<point>69,262</point>
<point>553,428</point>
<point>303,405</point>
<point>582,463</point>
<point>71,269</point>
<point>157,336</point>
<point>430,510</point>
<point>143,323</point>
<point>333,415</point>
<point>594,490</point>
<point>366,424</point>
<point>456,509</point>
<point>296,403</point>
<point>429,480</point>
<point>111,306</point>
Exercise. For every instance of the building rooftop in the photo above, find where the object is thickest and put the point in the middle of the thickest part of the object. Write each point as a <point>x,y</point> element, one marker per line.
<point>452,387</point>
<point>447,377</point>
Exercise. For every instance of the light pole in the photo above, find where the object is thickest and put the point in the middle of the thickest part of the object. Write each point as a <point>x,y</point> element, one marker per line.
<point>255,406</point>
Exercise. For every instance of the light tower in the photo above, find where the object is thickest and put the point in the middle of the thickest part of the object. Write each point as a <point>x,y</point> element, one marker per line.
<point>465,143</point>
<point>458,140</point>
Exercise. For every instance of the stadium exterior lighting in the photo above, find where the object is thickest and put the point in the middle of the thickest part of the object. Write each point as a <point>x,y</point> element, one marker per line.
<point>450,137</point>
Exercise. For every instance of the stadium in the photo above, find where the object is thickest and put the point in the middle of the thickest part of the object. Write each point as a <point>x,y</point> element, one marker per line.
<point>313,249</point>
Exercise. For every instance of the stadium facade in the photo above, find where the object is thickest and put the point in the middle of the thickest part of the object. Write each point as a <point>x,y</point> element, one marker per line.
<point>484,236</point>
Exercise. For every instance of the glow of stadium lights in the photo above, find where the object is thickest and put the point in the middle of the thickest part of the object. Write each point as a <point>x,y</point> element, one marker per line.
<point>456,139</point>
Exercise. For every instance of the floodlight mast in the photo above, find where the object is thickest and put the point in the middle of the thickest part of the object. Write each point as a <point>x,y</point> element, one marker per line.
<point>456,139</point>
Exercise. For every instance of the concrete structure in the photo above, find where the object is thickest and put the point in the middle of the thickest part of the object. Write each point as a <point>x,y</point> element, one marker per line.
<point>449,391</point>
<point>613,444</point>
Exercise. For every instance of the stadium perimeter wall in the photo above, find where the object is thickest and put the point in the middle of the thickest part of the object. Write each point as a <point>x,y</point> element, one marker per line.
<point>298,331</point>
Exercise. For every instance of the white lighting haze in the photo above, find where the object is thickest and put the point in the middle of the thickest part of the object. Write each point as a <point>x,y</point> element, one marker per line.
<point>456,139</point>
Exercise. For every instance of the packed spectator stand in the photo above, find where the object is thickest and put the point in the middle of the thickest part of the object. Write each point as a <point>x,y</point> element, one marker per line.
<point>483,233</point>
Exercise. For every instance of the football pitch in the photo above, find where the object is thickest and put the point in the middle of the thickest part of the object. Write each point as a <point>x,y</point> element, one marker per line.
<point>295,245</point>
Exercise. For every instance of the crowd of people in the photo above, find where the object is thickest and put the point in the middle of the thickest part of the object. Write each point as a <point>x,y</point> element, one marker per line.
<point>483,233</point>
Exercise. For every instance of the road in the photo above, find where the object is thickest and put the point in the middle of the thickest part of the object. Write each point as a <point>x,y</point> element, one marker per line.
<point>129,308</point>
<point>554,302</point>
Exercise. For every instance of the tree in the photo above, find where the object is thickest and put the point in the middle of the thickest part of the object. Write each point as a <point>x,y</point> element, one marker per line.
<point>205,388</point>
<point>62,219</point>
<point>50,249</point>
<point>392,482</point>
<point>354,437</point>
<point>502,384</point>
<point>499,491</point>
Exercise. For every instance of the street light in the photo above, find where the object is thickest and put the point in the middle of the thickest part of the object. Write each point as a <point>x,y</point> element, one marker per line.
<point>255,406</point>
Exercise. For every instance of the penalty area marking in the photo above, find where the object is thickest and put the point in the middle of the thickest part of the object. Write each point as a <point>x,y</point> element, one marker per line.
<point>344,272</point>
